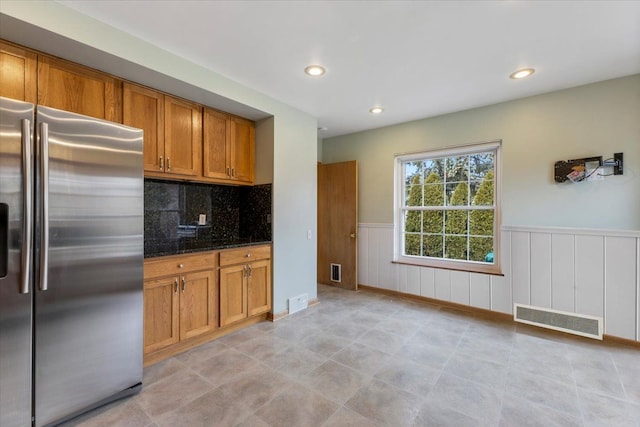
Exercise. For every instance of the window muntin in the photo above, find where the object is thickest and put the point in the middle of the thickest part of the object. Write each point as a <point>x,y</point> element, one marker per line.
<point>447,211</point>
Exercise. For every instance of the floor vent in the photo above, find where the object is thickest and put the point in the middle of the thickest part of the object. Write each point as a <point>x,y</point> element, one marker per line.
<point>336,273</point>
<point>578,324</point>
<point>298,303</point>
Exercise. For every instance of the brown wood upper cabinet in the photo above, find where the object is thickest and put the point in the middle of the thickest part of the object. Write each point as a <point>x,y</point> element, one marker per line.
<point>78,89</point>
<point>172,131</point>
<point>229,148</point>
<point>18,73</point>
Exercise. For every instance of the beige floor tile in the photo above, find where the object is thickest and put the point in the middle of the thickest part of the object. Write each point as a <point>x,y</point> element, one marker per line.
<point>345,417</point>
<point>297,406</point>
<point>561,396</point>
<point>171,393</point>
<point>523,413</point>
<point>124,413</point>
<point>385,404</point>
<point>208,410</point>
<point>335,381</point>
<point>362,358</point>
<point>434,415</point>
<point>225,366</point>
<point>409,376</point>
<point>254,388</point>
<point>470,398</point>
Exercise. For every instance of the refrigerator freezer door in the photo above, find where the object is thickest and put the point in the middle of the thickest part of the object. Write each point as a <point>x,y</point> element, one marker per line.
<point>15,302</point>
<point>88,321</point>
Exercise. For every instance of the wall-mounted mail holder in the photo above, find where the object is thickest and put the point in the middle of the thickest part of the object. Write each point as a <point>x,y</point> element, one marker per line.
<point>578,170</point>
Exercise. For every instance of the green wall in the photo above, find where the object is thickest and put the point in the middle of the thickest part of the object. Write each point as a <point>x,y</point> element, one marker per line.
<point>593,120</point>
<point>286,139</point>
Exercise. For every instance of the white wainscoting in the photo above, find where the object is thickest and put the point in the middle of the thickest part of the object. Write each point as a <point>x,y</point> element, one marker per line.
<point>594,272</point>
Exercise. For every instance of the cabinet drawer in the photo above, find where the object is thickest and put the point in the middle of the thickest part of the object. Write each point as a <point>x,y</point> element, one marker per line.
<point>171,265</point>
<point>244,255</point>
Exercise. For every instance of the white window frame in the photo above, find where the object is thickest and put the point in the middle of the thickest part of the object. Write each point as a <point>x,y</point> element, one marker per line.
<point>450,264</point>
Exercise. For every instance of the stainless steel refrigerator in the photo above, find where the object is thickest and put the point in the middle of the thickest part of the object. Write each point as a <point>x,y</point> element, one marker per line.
<point>71,263</point>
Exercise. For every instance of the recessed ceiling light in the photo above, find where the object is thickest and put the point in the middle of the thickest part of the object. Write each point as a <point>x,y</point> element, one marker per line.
<point>522,73</point>
<point>315,70</point>
<point>376,110</point>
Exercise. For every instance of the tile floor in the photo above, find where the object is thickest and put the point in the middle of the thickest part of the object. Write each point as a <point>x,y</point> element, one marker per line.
<point>363,359</point>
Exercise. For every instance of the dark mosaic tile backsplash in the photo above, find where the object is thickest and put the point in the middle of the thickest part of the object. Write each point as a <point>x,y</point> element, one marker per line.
<point>233,214</point>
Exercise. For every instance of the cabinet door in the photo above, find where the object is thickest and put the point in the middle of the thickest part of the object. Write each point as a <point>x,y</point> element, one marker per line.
<point>243,150</point>
<point>78,89</point>
<point>183,137</point>
<point>259,287</point>
<point>161,314</point>
<point>233,294</point>
<point>144,109</point>
<point>198,313</point>
<point>216,145</point>
<point>18,73</point>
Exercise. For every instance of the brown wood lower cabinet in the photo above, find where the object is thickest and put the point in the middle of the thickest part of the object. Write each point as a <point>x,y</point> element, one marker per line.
<point>184,294</point>
<point>198,311</point>
<point>180,300</point>
<point>245,289</point>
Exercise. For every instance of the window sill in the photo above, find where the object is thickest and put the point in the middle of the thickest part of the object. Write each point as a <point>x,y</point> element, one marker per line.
<point>491,270</point>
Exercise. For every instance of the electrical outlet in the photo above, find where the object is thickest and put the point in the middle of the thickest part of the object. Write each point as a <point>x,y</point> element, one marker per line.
<point>202,219</point>
<point>308,234</point>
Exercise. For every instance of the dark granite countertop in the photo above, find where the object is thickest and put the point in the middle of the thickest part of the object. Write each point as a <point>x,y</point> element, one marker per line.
<point>157,248</point>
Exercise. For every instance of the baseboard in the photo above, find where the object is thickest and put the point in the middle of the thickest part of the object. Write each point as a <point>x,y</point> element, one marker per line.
<point>432,301</point>
<point>274,317</point>
<point>494,315</point>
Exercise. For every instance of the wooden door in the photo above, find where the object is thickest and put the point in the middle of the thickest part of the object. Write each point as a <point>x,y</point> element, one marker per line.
<point>259,287</point>
<point>198,313</point>
<point>74,88</point>
<point>144,109</point>
<point>182,137</point>
<point>161,313</point>
<point>18,73</point>
<point>233,294</point>
<point>216,145</point>
<point>242,150</point>
<point>338,223</point>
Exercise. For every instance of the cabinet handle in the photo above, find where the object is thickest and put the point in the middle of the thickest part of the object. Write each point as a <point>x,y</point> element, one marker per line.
<point>228,171</point>
<point>184,284</point>
<point>180,265</point>
<point>168,163</point>
<point>245,272</point>
<point>176,286</point>
<point>161,163</point>
<point>233,171</point>
<point>250,270</point>
<point>249,255</point>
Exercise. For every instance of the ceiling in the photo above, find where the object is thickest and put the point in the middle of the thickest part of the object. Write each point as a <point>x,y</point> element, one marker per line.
<point>416,59</point>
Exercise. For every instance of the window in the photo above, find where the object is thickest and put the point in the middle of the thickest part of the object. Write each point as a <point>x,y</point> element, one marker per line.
<point>447,211</point>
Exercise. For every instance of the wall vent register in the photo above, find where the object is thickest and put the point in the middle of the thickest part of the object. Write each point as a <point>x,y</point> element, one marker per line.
<point>573,323</point>
<point>336,273</point>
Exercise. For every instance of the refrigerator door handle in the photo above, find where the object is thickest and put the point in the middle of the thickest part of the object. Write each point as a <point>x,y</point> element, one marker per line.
<point>27,202</point>
<point>44,235</point>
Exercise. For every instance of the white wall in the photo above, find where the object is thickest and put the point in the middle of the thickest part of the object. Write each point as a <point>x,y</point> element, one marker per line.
<point>584,271</point>
<point>554,251</point>
<point>292,144</point>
